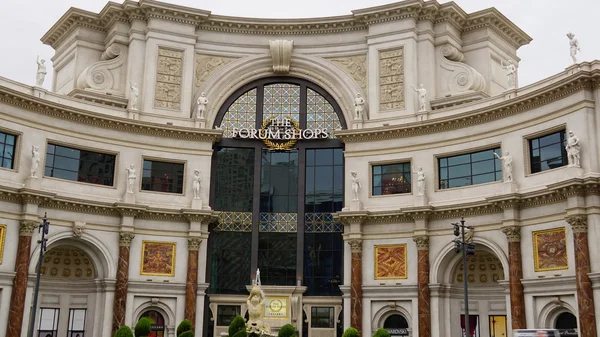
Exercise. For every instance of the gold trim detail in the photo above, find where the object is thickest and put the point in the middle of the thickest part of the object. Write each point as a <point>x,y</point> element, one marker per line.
<point>2,238</point>
<point>404,251</point>
<point>285,146</point>
<point>274,305</point>
<point>536,257</point>
<point>173,246</point>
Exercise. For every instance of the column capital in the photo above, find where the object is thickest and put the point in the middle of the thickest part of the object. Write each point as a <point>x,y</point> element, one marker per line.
<point>578,223</point>
<point>125,239</point>
<point>355,245</point>
<point>26,227</point>
<point>513,233</point>
<point>422,242</point>
<point>194,243</point>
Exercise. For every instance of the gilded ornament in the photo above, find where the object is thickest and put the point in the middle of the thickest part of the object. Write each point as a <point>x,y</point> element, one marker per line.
<point>287,145</point>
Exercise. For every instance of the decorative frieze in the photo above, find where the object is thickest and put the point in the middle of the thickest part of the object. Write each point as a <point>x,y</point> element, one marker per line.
<point>355,67</point>
<point>169,73</point>
<point>578,223</point>
<point>513,233</point>
<point>391,79</point>
<point>206,65</point>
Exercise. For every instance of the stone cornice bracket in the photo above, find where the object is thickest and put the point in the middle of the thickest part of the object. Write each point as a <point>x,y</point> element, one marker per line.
<point>26,227</point>
<point>351,218</point>
<point>510,202</point>
<point>355,245</point>
<point>202,217</point>
<point>513,233</point>
<point>422,242</point>
<point>592,187</point>
<point>421,214</point>
<point>35,197</point>
<point>130,210</point>
<point>281,54</point>
<point>578,223</point>
<point>125,239</point>
<point>569,188</point>
<point>458,77</point>
<point>108,74</point>
<point>194,243</point>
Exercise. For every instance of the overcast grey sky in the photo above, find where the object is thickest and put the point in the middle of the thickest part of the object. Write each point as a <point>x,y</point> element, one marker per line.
<point>24,22</point>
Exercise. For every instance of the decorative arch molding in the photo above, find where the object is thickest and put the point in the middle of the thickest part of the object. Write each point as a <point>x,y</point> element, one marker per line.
<point>162,308</point>
<point>549,313</point>
<point>446,260</point>
<point>229,78</point>
<point>103,261</point>
<point>382,314</point>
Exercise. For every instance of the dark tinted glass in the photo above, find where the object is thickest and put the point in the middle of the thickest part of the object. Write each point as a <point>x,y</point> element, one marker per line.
<point>469,169</point>
<point>79,165</point>
<point>547,152</point>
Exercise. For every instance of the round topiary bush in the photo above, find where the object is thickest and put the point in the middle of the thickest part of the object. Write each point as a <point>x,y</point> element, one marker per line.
<point>287,330</point>
<point>237,328</point>
<point>381,333</point>
<point>188,333</point>
<point>124,331</point>
<point>351,332</point>
<point>143,327</point>
<point>184,326</point>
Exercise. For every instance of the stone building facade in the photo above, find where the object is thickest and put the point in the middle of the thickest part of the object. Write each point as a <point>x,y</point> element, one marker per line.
<point>178,151</point>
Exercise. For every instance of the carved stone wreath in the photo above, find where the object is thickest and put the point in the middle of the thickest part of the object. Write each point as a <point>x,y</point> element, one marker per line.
<point>287,145</point>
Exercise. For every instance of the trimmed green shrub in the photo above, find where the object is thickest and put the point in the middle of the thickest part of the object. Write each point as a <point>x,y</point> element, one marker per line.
<point>381,333</point>
<point>241,333</point>
<point>237,328</point>
<point>124,331</point>
<point>287,330</point>
<point>143,327</point>
<point>188,333</point>
<point>351,332</point>
<point>184,326</point>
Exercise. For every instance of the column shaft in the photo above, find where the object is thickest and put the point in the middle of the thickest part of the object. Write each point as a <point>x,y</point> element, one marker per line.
<point>191,284</point>
<point>356,286</point>
<point>517,297</point>
<point>423,286</point>
<point>120,300</point>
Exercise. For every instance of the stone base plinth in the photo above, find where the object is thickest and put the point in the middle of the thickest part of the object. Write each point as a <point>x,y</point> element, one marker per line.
<point>133,114</point>
<point>572,172</point>
<point>356,205</point>
<point>357,124</point>
<point>421,200</point>
<point>39,92</point>
<point>196,204</point>
<point>510,93</point>
<point>129,198</point>
<point>422,115</point>
<point>33,183</point>
<point>509,187</point>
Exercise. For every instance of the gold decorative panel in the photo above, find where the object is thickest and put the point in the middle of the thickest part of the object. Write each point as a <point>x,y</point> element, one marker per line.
<point>391,79</point>
<point>390,262</point>
<point>482,268</point>
<point>2,240</point>
<point>66,262</point>
<point>235,222</point>
<point>550,250</point>
<point>279,222</point>
<point>158,258</point>
<point>168,79</point>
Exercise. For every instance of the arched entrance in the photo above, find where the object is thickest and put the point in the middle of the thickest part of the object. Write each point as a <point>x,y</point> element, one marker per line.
<point>158,325</point>
<point>566,323</point>
<point>396,325</point>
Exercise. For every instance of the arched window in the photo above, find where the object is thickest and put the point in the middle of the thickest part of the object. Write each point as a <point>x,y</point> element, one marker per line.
<point>396,325</point>
<point>276,194</point>
<point>158,328</point>
<point>566,322</point>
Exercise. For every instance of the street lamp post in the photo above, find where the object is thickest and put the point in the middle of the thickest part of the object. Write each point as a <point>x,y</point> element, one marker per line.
<point>467,248</point>
<point>43,228</point>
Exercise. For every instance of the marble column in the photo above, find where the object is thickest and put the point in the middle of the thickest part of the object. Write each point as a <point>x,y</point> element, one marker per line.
<point>356,285</point>
<point>19,290</point>
<point>515,274</point>
<point>120,300</point>
<point>191,284</point>
<point>585,297</point>
<point>423,286</point>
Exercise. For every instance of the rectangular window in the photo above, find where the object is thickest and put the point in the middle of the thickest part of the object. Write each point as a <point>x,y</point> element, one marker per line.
<point>473,325</point>
<point>48,322</point>
<point>7,150</point>
<point>80,165</point>
<point>321,317</point>
<point>391,179</point>
<point>76,323</point>
<point>498,326</point>
<point>162,177</point>
<point>226,314</point>
<point>547,152</point>
<point>470,169</point>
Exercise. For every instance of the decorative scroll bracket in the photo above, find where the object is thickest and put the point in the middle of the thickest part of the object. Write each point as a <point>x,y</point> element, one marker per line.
<point>107,75</point>
<point>281,53</point>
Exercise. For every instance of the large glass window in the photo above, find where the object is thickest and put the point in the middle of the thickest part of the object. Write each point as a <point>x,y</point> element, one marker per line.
<point>547,152</point>
<point>80,165</point>
<point>391,179</point>
<point>7,150</point>
<point>76,323</point>
<point>161,176</point>
<point>48,322</point>
<point>321,317</point>
<point>470,169</point>
<point>226,314</point>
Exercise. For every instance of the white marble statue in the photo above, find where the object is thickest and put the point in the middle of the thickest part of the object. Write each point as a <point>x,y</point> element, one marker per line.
<point>507,166</point>
<point>420,180</point>
<point>573,150</point>
<point>422,97</point>
<point>469,235</point>
<point>201,105</point>
<point>197,184</point>
<point>355,186</point>
<point>41,72</point>
<point>511,73</point>
<point>35,161</point>
<point>133,96</point>
<point>359,106</point>
<point>574,46</point>
<point>131,176</point>
<point>256,307</point>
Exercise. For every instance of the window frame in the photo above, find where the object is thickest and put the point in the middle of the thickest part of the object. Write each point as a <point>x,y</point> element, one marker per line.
<point>389,162</point>
<point>316,310</point>
<point>469,151</point>
<point>528,151</point>
<point>238,310</point>
<point>84,148</point>
<point>17,149</point>
<point>55,322</point>
<point>70,332</point>
<point>140,183</point>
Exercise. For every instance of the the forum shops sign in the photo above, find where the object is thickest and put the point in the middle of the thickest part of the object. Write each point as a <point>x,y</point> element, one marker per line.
<point>280,134</point>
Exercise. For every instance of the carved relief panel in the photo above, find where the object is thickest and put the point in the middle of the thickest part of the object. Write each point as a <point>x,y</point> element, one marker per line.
<point>206,65</point>
<point>391,79</point>
<point>168,79</point>
<point>355,66</point>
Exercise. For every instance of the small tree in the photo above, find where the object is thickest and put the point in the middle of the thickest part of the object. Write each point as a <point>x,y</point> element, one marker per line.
<point>124,331</point>
<point>351,332</point>
<point>143,327</point>
<point>237,328</point>
<point>184,326</point>
<point>381,333</point>
<point>287,330</point>
<point>188,333</point>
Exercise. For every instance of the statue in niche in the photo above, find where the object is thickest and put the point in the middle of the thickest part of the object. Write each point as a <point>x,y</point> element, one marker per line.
<point>420,180</point>
<point>355,186</point>
<point>511,71</point>
<point>201,105</point>
<point>573,150</point>
<point>35,161</point>
<point>197,184</point>
<point>256,307</point>
<point>133,97</point>
<point>507,166</point>
<point>422,97</point>
<point>574,46</point>
<point>41,72</point>
<point>131,176</point>
<point>359,106</point>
